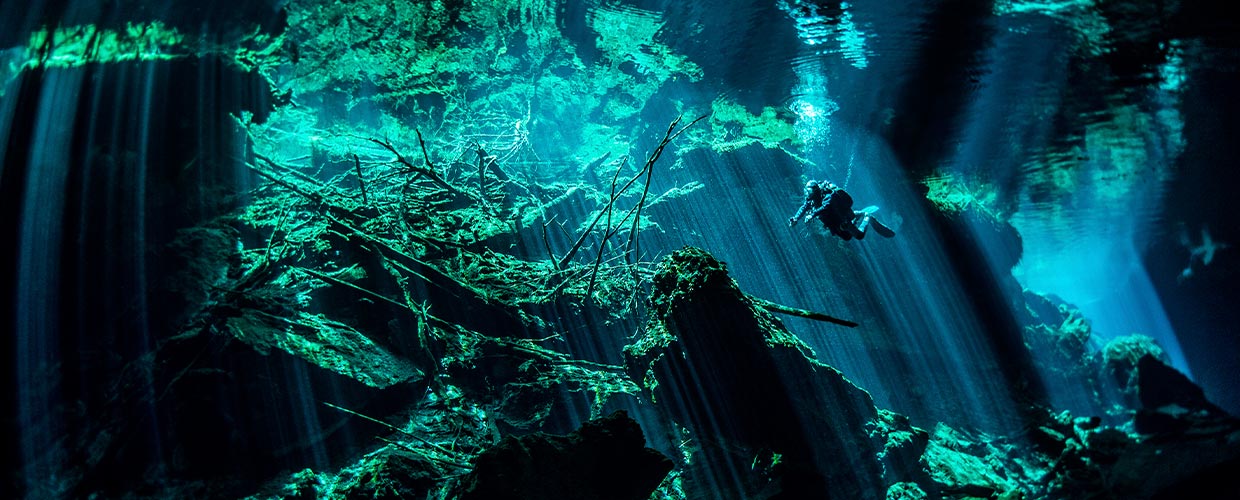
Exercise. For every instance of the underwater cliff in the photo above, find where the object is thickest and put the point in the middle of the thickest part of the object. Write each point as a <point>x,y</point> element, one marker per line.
<point>551,249</point>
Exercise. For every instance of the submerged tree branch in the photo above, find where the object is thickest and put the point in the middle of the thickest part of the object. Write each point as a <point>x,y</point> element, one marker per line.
<point>397,430</point>
<point>361,182</point>
<point>607,209</point>
<point>668,137</point>
<point>782,309</point>
<point>427,170</point>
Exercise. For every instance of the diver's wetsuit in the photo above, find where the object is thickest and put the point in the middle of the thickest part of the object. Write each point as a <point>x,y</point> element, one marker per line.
<point>837,215</point>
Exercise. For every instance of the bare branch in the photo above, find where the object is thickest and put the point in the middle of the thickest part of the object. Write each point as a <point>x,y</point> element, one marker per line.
<point>426,170</point>
<point>782,309</point>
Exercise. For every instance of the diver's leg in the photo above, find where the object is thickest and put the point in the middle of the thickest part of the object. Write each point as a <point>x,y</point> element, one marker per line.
<point>841,231</point>
<point>858,224</point>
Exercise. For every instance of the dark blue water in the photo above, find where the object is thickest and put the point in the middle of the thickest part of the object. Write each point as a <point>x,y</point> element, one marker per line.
<point>1077,151</point>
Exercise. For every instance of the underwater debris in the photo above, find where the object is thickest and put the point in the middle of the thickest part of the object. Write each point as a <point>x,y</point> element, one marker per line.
<point>384,284</point>
<point>792,311</point>
<point>647,171</point>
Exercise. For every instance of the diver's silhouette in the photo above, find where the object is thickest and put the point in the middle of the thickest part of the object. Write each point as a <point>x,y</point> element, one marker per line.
<point>831,205</point>
<point>1203,252</point>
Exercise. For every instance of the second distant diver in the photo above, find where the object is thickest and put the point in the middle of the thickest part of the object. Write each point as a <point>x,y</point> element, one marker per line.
<point>831,205</point>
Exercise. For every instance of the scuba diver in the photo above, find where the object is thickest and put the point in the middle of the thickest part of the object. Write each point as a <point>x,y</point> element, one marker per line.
<point>833,206</point>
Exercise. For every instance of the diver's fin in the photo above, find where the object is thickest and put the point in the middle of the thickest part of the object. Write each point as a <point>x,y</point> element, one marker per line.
<point>881,229</point>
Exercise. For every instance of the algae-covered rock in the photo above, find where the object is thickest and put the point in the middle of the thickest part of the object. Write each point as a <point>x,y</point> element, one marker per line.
<point>902,446</point>
<point>962,464</point>
<point>1120,357</point>
<point>905,491</point>
<point>733,375</point>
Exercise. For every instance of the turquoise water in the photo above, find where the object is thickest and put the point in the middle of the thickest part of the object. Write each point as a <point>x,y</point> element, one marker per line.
<point>218,220</point>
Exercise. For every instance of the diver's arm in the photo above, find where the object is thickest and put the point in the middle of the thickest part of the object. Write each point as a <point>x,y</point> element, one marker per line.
<point>800,212</point>
<point>820,210</point>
